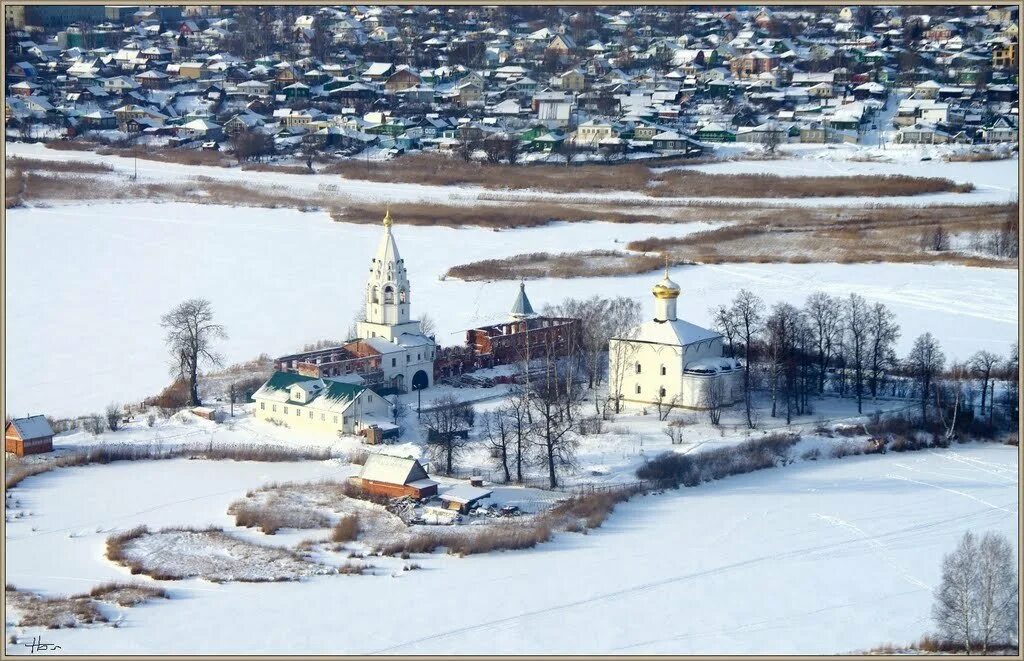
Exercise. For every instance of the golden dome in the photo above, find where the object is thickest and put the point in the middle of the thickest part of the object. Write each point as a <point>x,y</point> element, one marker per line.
<point>665,288</point>
<point>387,217</point>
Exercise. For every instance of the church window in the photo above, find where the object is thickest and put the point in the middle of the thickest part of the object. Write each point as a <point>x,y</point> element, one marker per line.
<point>638,388</point>
<point>275,408</point>
<point>394,362</point>
<point>417,356</point>
<point>263,406</point>
<point>402,296</point>
<point>310,415</point>
<point>389,294</point>
<point>335,419</point>
<point>408,357</point>
<point>661,391</point>
<point>663,370</point>
<point>638,368</point>
<point>286,410</point>
<point>297,411</point>
<point>376,295</point>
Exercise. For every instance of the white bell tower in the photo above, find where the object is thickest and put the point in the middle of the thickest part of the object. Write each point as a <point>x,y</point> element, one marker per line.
<point>387,292</point>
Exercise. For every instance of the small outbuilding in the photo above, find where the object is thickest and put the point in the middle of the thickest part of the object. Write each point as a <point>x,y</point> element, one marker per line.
<point>394,477</point>
<point>32,435</point>
<point>463,497</point>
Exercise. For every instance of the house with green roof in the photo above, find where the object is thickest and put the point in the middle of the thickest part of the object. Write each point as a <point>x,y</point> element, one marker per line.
<point>322,405</point>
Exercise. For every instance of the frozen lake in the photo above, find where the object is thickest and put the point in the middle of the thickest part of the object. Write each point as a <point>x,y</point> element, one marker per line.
<point>819,557</point>
<point>87,284</point>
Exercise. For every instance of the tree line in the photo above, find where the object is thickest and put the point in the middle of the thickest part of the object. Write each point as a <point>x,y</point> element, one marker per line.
<point>846,346</point>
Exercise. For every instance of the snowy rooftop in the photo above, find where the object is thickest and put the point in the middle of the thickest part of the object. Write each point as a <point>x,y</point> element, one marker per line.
<point>676,333</point>
<point>31,427</point>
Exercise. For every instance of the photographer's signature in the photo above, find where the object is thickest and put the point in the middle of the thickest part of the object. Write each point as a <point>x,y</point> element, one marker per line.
<point>37,645</point>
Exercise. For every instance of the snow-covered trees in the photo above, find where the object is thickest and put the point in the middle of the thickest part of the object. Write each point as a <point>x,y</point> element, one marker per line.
<point>977,601</point>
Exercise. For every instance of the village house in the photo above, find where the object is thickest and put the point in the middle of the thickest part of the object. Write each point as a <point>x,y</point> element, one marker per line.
<point>322,405</point>
<point>31,435</point>
<point>395,477</point>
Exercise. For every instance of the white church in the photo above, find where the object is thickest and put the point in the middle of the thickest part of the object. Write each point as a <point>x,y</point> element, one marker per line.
<point>331,390</point>
<point>672,361</point>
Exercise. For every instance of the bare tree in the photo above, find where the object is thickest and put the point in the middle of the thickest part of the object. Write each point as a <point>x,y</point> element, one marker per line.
<point>713,399</point>
<point>725,323</point>
<point>772,139</point>
<point>953,608</point>
<point>856,341</point>
<point>621,353</point>
<point>601,319</point>
<point>925,361</point>
<point>665,406</point>
<point>251,144</point>
<point>782,333</point>
<point>748,310</point>
<point>982,364</point>
<point>998,592</point>
<point>191,332</point>
<point>553,429</point>
<point>500,434</point>
<point>520,420</point>
<point>825,316</point>
<point>954,386</point>
<point>936,239</point>
<point>427,325</point>
<point>977,601</point>
<point>113,416</point>
<point>447,422</point>
<point>883,331</point>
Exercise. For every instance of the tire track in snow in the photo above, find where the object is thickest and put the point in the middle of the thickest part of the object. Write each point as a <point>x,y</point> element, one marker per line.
<point>903,478</point>
<point>999,470</point>
<point>780,622</point>
<point>878,544</point>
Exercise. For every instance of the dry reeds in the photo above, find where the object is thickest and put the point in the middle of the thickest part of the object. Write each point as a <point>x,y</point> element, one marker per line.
<point>346,529</point>
<point>103,454</point>
<point>275,514</point>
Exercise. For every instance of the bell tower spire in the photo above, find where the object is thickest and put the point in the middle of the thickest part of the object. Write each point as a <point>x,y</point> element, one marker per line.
<point>388,291</point>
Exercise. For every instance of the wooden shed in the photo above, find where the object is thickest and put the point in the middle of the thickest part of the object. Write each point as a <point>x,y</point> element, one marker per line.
<point>464,497</point>
<point>31,435</point>
<point>394,477</point>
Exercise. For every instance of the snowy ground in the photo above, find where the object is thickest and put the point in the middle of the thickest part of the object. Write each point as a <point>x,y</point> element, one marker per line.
<point>86,286</point>
<point>818,557</point>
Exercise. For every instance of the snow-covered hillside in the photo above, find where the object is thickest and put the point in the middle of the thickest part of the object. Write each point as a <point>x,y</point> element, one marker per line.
<point>817,557</point>
<point>86,286</point>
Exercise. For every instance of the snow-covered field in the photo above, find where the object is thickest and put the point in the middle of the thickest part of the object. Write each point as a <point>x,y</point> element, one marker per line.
<point>87,284</point>
<point>818,557</point>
